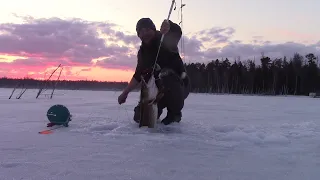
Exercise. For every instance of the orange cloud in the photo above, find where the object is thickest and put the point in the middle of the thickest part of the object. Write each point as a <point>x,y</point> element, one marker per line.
<point>97,51</point>
<point>18,68</point>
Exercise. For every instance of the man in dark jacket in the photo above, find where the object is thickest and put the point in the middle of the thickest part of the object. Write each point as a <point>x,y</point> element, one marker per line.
<point>175,82</point>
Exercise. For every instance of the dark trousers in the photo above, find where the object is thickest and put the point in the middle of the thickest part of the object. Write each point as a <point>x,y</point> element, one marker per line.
<point>175,92</point>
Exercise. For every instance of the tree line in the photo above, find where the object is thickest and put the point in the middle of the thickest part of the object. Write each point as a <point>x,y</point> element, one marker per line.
<point>297,75</point>
<point>31,83</point>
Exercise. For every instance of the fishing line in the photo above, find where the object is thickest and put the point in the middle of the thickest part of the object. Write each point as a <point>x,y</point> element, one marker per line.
<point>118,113</point>
<point>182,37</point>
<point>181,25</point>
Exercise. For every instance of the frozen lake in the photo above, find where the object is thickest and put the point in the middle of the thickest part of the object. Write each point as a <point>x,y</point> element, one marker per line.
<point>221,137</point>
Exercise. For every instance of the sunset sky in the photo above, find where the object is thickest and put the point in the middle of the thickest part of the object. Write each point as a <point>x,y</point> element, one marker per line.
<point>96,40</point>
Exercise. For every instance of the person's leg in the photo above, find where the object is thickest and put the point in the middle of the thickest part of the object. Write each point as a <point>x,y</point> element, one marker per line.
<point>136,116</point>
<point>161,105</point>
<point>173,98</point>
<point>186,87</point>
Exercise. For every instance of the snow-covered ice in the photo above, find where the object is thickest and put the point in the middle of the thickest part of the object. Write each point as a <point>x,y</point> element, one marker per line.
<point>221,137</point>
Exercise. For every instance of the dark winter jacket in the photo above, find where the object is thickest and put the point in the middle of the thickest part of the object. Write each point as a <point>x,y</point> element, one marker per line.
<point>169,56</point>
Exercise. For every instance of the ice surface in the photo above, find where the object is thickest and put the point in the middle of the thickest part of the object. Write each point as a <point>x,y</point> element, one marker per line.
<point>221,137</point>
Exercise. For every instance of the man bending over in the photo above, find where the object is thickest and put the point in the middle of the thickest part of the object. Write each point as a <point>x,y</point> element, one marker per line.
<point>175,82</point>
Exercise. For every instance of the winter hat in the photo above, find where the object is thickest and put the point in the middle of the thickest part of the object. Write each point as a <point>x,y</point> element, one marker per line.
<point>145,23</point>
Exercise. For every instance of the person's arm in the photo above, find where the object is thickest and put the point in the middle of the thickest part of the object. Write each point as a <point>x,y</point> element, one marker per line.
<point>136,78</point>
<point>178,65</point>
<point>172,38</point>
<point>131,86</point>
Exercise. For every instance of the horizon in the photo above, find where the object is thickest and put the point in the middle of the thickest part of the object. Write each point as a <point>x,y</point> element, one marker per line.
<point>96,40</point>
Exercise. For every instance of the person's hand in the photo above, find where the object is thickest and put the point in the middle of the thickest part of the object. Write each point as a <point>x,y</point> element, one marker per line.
<point>122,98</point>
<point>165,27</point>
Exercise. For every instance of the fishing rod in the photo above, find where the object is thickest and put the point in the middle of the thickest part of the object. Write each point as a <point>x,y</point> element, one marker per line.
<point>170,11</point>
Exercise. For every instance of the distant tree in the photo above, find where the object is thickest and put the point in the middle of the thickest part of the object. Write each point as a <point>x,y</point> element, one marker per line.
<point>297,76</point>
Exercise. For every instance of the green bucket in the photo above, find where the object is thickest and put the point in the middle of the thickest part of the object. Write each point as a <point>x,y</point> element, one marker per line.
<point>59,114</point>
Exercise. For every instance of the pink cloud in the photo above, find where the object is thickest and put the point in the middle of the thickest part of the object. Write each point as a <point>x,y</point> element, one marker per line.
<point>75,42</point>
<point>69,41</point>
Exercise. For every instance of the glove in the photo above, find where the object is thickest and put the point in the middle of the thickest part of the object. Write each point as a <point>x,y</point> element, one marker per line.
<point>183,75</point>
